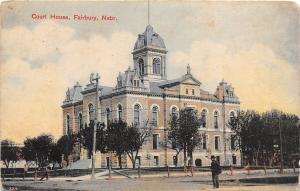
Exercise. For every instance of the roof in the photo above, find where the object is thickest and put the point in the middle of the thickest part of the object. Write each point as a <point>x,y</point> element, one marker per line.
<point>74,95</point>
<point>105,90</point>
<point>174,82</point>
<point>149,39</point>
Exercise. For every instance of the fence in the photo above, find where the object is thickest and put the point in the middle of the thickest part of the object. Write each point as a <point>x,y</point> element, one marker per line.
<point>34,172</point>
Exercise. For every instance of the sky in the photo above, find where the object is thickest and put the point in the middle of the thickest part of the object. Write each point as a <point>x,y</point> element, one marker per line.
<point>252,45</point>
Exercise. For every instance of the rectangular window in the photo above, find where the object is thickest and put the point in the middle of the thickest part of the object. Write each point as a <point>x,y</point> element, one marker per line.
<point>154,118</point>
<point>155,141</point>
<point>138,160</point>
<point>204,145</point>
<point>107,162</point>
<point>233,159</point>
<point>186,91</point>
<point>218,159</point>
<point>216,121</point>
<point>158,68</point>
<point>232,142</point>
<point>156,160</point>
<point>217,142</point>
<point>175,160</point>
<point>193,92</point>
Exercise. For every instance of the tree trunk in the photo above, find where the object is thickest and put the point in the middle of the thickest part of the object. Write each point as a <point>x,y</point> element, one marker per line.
<point>120,161</point>
<point>6,163</point>
<point>256,158</point>
<point>131,157</point>
<point>184,156</point>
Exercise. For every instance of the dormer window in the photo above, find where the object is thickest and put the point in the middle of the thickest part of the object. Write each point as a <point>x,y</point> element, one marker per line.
<point>136,83</point>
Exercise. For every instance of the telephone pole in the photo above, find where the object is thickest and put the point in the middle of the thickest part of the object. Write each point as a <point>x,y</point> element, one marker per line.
<point>280,139</point>
<point>96,79</point>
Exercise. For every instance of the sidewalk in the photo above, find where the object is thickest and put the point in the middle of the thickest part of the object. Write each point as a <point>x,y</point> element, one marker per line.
<point>159,181</point>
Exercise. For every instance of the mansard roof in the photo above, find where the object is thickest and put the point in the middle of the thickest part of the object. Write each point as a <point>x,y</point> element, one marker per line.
<point>74,95</point>
<point>149,39</point>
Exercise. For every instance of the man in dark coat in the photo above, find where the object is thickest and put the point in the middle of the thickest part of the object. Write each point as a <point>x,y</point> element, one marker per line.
<point>215,171</point>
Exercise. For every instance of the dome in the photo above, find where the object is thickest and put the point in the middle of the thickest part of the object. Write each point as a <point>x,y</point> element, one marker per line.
<point>149,38</point>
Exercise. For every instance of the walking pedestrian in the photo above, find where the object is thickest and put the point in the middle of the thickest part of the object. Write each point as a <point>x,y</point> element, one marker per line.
<point>215,171</point>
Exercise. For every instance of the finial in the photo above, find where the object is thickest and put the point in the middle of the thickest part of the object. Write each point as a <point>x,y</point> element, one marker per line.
<point>68,94</point>
<point>188,69</point>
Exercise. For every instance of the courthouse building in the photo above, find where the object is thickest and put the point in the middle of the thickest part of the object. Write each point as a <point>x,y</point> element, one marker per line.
<point>144,93</point>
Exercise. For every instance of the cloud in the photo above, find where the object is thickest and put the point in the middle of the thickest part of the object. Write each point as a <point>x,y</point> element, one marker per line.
<point>31,96</point>
<point>261,79</point>
<point>37,43</point>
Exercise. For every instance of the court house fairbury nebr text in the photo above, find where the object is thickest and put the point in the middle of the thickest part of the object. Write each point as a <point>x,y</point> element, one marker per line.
<point>143,93</point>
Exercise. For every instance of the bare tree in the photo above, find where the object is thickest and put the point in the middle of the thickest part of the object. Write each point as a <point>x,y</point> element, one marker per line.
<point>135,139</point>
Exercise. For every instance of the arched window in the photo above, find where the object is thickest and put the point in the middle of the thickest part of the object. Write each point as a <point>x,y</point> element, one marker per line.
<point>80,122</point>
<point>136,119</point>
<point>141,67</point>
<point>204,117</point>
<point>120,112</point>
<point>108,116</point>
<point>174,112</point>
<point>154,116</point>
<point>231,116</point>
<point>91,112</point>
<point>68,126</point>
<point>216,118</point>
<point>156,66</point>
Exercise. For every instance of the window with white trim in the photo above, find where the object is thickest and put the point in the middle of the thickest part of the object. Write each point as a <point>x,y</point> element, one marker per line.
<point>141,67</point>
<point>155,141</point>
<point>108,116</point>
<point>136,114</point>
<point>174,112</point>
<point>231,116</point>
<point>204,117</point>
<point>156,66</point>
<point>68,125</point>
<point>216,119</point>
<point>91,112</point>
<point>217,143</point>
<point>155,116</point>
<point>120,112</point>
<point>204,142</point>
